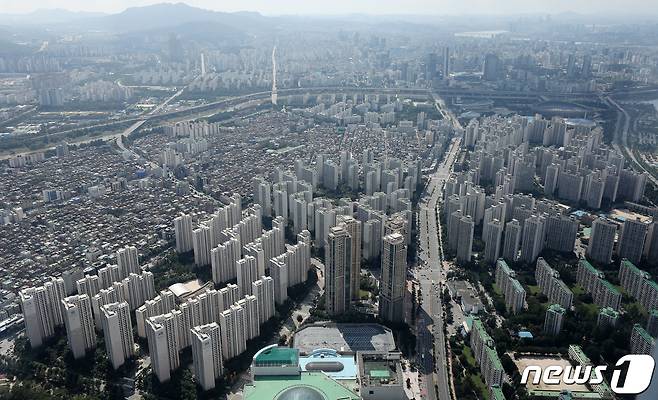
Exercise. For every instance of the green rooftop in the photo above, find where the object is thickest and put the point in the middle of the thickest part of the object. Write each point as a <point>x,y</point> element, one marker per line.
<point>589,266</point>
<point>276,355</point>
<point>632,266</point>
<point>609,312</point>
<point>610,286</point>
<point>306,385</point>
<point>579,353</point>
<point>504,266</point>
<point>644,334</point>
<point>493,357</point>
<point>497,393</point>
<point>517,286</point>
<point>482,332</point>
<point>380,374</point>
<point>556,308</point>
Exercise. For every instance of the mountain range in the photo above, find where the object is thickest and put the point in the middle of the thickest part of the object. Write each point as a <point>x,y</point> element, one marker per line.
<point>135,19</point>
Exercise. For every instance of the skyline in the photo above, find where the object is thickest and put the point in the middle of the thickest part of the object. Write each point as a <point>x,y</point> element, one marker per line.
<point>368,7</point>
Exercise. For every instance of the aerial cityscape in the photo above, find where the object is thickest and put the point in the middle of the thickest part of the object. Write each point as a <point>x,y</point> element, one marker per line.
<point>291,201</point>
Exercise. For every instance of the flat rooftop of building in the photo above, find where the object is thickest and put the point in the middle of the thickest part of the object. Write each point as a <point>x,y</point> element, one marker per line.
<point>185,290</point>
<point>380,372</point>
<point>335,365</point>
<point>277,355</point>
<point>307,386</point>
<point>343,338</point>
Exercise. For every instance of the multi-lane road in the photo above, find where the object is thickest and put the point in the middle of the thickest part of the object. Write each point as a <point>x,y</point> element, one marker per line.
<point>621,137</point>
<point>430,341</point>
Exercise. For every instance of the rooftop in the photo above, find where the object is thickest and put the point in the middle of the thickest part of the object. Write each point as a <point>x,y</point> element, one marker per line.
<point>331,363</point>
<point>343,337</point>
<point>307,386</point>
<point>276,355</point>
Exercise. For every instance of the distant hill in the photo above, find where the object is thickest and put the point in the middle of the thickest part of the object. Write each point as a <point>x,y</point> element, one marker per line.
<point>166,15</point>
<point>47,17</point>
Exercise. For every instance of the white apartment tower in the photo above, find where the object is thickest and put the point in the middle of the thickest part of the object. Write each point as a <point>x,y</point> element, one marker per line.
<point>263,289</point>
<point>202,245</point>
<point>337,270</point>
<point>353,227</point>
<point>394,270</point>
<point>117,329</point>
<point>42,311</point>
<point>79,321</point>
<point>207,354</point>
<point>163,334</point>
<point>247,272</point>
<point>602,241</point>
<point>183,229</point>
<point>128,261</point>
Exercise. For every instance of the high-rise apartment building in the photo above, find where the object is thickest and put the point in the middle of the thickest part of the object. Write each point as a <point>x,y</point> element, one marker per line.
<point>353,227</point>
<point>42,311</point>
<point>602,241</point>
<point>118,333</point>
<point>79,322</point>
<point>163,334</point>
<point>337,270</point>
<point>128,261</point>
<point>393,278</point>
<point>207,354</point>
<point>183,230</point>
<point>202,245</point>
<point>554,319</point>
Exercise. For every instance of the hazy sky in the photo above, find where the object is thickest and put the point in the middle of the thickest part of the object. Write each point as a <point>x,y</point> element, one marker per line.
<point>273,7</point>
